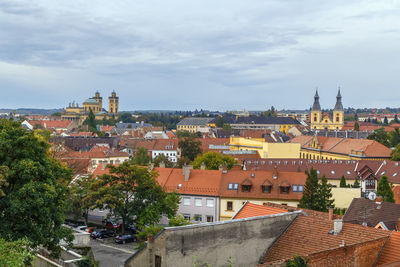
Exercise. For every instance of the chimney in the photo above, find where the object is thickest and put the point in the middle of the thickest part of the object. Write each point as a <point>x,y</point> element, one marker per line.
<point>220,167</point>
<point>162,164</point>
<point>330,217</point>
<point>202,166</point>
<point>186,171</point>
<point>337,226</point>
<point>378,200</point>
<point>151,166</point>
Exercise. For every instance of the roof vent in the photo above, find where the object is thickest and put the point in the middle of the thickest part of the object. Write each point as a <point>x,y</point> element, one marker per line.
<point>252,175</point>
<point>179,186</point>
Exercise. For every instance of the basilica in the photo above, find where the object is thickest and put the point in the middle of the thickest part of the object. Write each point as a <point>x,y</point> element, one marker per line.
<point>327,121</point>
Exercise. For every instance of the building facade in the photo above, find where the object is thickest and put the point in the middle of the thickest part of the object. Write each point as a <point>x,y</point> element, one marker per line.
<point>327,121</point>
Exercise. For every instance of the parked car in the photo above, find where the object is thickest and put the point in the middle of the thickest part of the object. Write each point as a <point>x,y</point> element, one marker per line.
<point>122,239</point>
<point>101,233</point>
<point>89,229</point>
<point>112,225</point>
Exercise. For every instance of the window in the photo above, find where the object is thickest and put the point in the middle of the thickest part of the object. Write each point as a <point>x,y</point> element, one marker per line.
<point>186,216</point>
<point>266,188</point>
<point>284,190</point>
<point>157,261</point>
<point>300,189</point>
<point>230,186</point>
<point>197,217</point>
<point>236,186</point>
<point>229,205</point>
<point>210,218</point>
<point>246,188</point>
<point>295,188</point>
<point>210,203</point>
<point>186,201</point>
<point>197,202</point>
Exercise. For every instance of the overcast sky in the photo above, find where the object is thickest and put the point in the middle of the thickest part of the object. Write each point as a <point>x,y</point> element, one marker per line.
<point>210,54</point>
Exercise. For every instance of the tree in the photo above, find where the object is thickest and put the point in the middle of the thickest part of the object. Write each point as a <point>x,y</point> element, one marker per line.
<point>213,160</point>
<point>380,136</point>
<point>190,147</point>
<point>131,193</point>
<point>385,121</point>
<point>396,119</point>
<point>356,184</point>
<point>91,122</point>
<point>325,195</point>
<point>356,126</point>
<point>226,127</point>
<point>385,190</point>
<point>141,158</point>
<point>3,179</point>
<point>16,253</point>
<point>164,159</point>
<point>342,182</point>
<point>396,153</point>
<point>297,261</point>
<point>310,197</point>
<point>220,122</point>
<point>355,117</point>
<point>34,190</point>
<point>178,220</point>
<point>80,199</point>
<point>270,112</point>
<point>125,117</point>
<point>394,137</point>
<point>56,114</point>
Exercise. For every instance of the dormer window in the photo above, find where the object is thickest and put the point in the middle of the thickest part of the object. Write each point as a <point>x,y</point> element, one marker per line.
<point>284,190</point>
<point>266,188</point>
<point>246,188</point>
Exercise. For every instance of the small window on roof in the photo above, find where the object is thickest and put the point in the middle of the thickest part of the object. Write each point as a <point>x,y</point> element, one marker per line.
<point>382,173</point>
<point>300,188</point>
<point>333,172</point>
<point>395,174</point>
<point>230,186</point>
<point>318,172</point>
<point>236,186</point>
<point>348,172</point>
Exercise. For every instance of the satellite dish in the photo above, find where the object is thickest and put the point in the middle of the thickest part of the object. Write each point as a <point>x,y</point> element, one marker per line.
<point>372,196</point>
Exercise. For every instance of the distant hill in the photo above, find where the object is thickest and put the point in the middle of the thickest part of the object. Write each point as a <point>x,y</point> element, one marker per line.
<point>29,111</point>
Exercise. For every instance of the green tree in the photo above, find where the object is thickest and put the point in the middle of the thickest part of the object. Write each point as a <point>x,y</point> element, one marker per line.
<point>342,182</point>
<point>396,153</point>
<point>16,253</point>
<point>310,197</point>
<point>125,117</point>
<point>380,136</point>
<point>356,126</point>
<point>190,147</point>
<point>131,193</point>
<point>213,160</point>
<point>385,121</point>
<point>270,112</point>
<point>35,191</point>
<point>220,122</point>
<point>385,190</point>
<point>162,158</point>
<point>394,137</point>
<point>325,195</point>
<point>178,220</point>
<point>80,199</point>
<point>91,122</point>
<point>355,117</point>
<point>3,179</point>
<point>396,119</point>
<point>141,158</point>
<point>356,184</point>
<point>227,127</point>
<point>297,261</point>
<point>56,114</point>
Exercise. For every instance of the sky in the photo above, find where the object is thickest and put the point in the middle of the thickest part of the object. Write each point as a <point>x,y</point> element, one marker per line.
<point>209,54</point>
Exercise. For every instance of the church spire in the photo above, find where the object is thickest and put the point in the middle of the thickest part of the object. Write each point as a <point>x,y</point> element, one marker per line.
<point>339,105</point>
<point>316,105</point>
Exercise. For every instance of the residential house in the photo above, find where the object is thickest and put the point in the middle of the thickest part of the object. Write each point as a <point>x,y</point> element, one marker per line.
<point>154,147</point>
<point>82,143</point>
<point>282,124</point>
<point>196,124</point>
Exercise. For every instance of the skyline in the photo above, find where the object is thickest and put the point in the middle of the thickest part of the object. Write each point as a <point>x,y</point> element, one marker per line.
<point>176,56</point>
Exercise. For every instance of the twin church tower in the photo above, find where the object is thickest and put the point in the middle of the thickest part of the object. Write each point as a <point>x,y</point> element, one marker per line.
<point>327,121</point>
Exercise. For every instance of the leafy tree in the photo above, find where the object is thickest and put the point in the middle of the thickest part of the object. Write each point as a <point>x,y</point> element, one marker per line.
<point>394,137</point>
<point>342,182</point>
<point>178,220</point>
<point>213,160</point>
<point>297,261</point>
<point>56,114</point>
<point>385,190</point>
<point>141,158</point>
<point>91,122</point>
<point>270,112</point>
<point>325,195</point>
<point>162,158</point>
<point>220,122</point>
<point>355,117</point>
<point>16,253</point>
<point>190,147</point>
<point>396,119</point>
<point>356,126</point>
<point>385,121</point>
<point>131,193</point>
<point>227,127</point>
<point>356,184</point>
<point>43,133</point>
<point>80,199</point>
<point>184,134</point>
<point>125,117</point>
<point>37,126</point>
<point>310,197</point>
<point>396,153</point>
<point>182,161</point>
<point>3,179</point>
<point>34,190</point>
<point>380,136</point>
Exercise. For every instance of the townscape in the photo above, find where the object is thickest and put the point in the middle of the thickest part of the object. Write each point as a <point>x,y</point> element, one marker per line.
<point>259,133</point>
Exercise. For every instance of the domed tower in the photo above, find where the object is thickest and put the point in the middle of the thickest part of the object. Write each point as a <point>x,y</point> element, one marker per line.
<point>338,112</point>
<point>316,113</point>
<point>99,100</point>
<point>113,103</point>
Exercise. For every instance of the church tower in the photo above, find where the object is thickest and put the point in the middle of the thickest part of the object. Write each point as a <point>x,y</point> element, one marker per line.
<point>338,112</point>
<point>99,100</point>
<point>316,113</point>
<point>113,103</point>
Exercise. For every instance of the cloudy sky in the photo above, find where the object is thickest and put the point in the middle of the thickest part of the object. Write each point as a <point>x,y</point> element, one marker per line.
<point>218,55</point>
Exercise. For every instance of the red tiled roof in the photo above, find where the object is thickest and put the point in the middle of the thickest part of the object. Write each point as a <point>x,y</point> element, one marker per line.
<point>51,124</point>
<point>310,234</point>
<point>390,254</point>
<point>253,210</point>
<point>396,193</point>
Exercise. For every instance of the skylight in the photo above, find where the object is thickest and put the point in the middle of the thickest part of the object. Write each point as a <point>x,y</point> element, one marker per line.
<point>333,172</point>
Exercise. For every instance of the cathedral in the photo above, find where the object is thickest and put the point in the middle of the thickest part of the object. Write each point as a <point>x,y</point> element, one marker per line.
<point>95,104</point>
<point>327,121</point>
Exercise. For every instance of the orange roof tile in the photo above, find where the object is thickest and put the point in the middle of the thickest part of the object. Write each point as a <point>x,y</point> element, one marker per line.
<point>390,253</point>
<point>253,210</point>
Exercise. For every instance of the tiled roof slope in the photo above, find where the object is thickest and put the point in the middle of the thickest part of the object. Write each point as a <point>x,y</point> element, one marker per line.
<point>390,255</point>
<point>310,234</point>
<point>253,210</point>
<point>318,214</point>
<point>195,121</point>
<point>365,210</point>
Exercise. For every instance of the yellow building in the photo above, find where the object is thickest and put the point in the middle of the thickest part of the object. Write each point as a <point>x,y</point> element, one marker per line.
<point>113,103</point>
<point>196,124</point>
<point>325,121</point>
<point>265,149</point>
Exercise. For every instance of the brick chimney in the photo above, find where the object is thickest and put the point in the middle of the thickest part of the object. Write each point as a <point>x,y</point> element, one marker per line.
<point>162,164</point>
<point>202,166</point>
<point>330,214</point>
<point>378,200</point>
<point>186,171</point>
<point>337,226</point>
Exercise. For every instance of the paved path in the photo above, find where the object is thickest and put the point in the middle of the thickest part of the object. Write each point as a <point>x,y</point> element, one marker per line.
<point>110,254</point>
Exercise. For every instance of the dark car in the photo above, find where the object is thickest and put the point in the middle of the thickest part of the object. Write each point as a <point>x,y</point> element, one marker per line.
<point>101,233</point>
<point>122,239</point>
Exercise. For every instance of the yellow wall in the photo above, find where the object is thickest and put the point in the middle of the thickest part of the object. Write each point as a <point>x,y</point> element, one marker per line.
<point>264,149</point>
<point>344,196</point>
<point>285,127</point>
<point>237,203</point>
<point>311,154</point>
<point>325,122</point>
